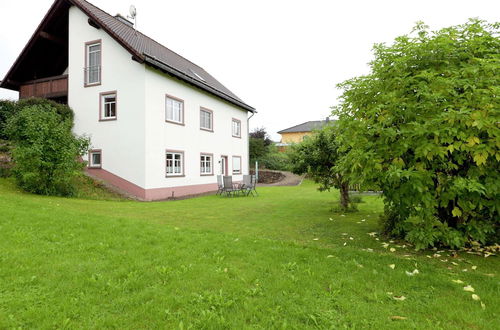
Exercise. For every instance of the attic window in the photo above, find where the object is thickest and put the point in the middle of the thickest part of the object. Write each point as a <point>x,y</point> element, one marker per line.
<point>197,75</point>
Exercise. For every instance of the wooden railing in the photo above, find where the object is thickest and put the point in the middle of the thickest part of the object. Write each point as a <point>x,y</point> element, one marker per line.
<point>46,88</point>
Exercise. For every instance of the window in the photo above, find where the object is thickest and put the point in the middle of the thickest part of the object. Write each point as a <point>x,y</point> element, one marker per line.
<point>206,164</point>
<point>206,119</point>
<point>93,63</point>
<point>236,128</point>
<point>174,111</point>
<point>236,165</point>
<point>197,75</point>
<point>108,106</point>
<point>175,163</point>
<point>95,158</point>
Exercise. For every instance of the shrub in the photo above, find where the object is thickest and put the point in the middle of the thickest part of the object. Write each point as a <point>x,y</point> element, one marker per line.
<point>10,108</point>
<point>45,150</point>
<point>423,126</point>
<point>275,161</point>
<point>7,108</point>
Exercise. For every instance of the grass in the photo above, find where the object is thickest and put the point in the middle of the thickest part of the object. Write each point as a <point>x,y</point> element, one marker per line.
<point>275,261</point>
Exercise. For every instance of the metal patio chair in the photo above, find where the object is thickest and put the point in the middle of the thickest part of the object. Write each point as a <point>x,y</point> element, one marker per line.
<point>249,185</point>
<point>229,188</point>
<point>220,185</point>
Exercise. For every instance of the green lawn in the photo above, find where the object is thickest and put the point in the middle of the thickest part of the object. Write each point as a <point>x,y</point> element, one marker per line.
<point>280,260</point>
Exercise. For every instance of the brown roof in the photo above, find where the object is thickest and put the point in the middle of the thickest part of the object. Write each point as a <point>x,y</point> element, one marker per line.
<point>148,51</point>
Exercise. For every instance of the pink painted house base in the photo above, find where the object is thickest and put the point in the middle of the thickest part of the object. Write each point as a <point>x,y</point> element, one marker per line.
<point>150,194</point>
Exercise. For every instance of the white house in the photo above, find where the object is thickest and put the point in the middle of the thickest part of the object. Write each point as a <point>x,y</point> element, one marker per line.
<point>160,125</point>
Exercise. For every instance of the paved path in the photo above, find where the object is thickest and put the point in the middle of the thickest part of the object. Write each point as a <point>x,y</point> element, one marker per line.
<point>290,179</point>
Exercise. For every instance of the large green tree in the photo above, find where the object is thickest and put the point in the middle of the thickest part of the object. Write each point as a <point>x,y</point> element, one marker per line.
<point>318,156</point>
<point>424,127</point>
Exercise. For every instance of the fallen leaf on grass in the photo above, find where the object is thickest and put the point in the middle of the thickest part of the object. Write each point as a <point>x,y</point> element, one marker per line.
<point>330,219</point>
<point>392,249</point>
<point>483,306</point>
<point>342,215</point>
<point>351,238</point>
<point>436,255</point>
<point>372,234</point>
<point>475,297</point>
<point>413,273</point>
<point>454,263</point>
<point>457,281</point>
<point>397,318</point>
<point>392,266</point>
<point>315,239</point>
<point>329,256</point>
<point>468,288</point>
<point>399,298</point>
<point>363,220</point>
<point>474,267</point>
<point>345,243</point>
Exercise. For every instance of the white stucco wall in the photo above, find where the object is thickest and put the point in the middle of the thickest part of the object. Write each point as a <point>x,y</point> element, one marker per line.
<point>122,141</point>
<point>161,135</point>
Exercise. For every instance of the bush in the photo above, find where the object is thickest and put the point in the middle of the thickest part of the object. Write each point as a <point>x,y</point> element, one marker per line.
<point>45,151</point>
<point>7,108</point>
<point>423,126</point>
<point>10,108</point>
<point>275,161</point>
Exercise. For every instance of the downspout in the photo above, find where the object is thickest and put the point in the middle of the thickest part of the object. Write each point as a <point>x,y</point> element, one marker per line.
<point>248,139</point>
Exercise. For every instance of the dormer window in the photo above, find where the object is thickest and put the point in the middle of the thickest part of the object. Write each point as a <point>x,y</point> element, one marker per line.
<point>93,63</point>
<point>197,75</point>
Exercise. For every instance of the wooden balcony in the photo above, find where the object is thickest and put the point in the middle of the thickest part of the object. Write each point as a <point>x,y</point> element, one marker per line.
<point>50,87</point>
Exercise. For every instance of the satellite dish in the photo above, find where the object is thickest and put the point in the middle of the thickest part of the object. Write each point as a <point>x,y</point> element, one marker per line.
<point>132,11</point>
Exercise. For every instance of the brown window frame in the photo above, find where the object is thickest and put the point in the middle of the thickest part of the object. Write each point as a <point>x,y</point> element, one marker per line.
<point>167,96</point>
<point>101,106</point>
<point>232,165</point>
<point>86,55</point>
<point>232,132</point>
<point>211,120</point>
<point>212,161</point>
<point>90,163</point>
<point>183,159</point>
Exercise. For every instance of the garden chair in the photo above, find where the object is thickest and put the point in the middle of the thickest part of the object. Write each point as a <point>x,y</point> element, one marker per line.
<point>220,185</point>
<point>249,184</point>
<point>229,188</point>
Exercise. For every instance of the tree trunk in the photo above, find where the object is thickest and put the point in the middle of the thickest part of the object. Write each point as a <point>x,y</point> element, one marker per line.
<point>344,195</point>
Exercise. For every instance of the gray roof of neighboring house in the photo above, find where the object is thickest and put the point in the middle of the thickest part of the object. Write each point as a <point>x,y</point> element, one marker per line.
<point>308,126</point>
<point>147,50</point>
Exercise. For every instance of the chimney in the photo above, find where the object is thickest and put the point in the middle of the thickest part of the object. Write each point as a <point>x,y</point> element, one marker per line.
<point>124,20</point>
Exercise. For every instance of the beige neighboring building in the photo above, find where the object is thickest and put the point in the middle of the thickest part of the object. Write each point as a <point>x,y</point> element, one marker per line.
<point>296,134</point>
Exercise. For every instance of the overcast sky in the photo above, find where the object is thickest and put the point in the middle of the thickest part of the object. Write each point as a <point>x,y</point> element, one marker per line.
<point>283,57</point>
